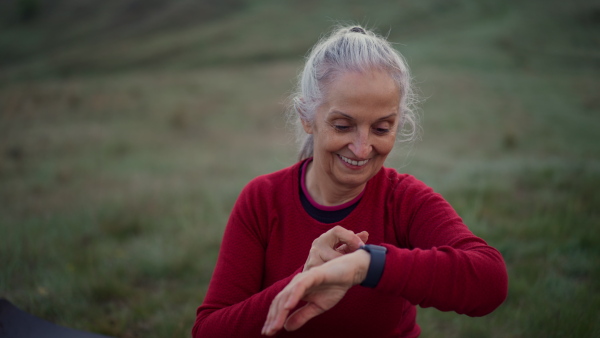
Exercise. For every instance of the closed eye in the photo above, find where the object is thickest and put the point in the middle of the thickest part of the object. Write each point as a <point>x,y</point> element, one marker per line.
<point>381,131</point>
<point>341,128</point>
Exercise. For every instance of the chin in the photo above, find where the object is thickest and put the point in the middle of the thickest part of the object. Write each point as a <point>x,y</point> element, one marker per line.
<point>354,180</point>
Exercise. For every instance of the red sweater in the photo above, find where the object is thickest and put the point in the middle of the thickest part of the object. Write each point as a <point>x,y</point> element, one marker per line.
<point>433,260</point>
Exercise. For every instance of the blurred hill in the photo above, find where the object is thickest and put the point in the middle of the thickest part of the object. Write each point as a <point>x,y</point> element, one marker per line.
<point>41,38</point>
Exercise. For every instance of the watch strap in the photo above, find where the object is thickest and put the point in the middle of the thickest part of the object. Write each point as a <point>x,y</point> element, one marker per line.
<point>376,265</point>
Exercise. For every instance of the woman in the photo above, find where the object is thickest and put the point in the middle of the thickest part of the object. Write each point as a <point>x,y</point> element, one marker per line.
<point>293,253</point>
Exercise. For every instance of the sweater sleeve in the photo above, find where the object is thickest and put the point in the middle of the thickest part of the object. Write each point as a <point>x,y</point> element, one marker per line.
<point>444,265</point>
<point>236,305</point>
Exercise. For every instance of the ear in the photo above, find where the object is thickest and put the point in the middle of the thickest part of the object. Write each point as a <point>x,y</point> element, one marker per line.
<point>307,125</point>
<point>299,106</point>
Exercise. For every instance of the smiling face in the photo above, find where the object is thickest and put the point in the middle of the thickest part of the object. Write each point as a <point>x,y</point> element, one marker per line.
<point>354,130</point>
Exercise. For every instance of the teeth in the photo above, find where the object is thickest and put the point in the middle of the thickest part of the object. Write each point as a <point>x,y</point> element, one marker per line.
<point>356,163</point>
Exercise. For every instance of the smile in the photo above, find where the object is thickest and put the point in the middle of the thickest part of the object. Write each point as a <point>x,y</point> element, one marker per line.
<point>352,162</point>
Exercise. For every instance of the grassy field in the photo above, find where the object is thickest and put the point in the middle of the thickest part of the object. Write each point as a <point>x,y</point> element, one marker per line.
<point>128,128</point>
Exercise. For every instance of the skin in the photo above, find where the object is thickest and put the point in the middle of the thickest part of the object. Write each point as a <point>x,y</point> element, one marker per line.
<point>357,120</point>
<point>321,287</point>
<point>332,244</point>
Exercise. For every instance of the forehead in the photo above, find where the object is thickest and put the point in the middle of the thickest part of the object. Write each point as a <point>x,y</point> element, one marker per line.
<point>370,88</point>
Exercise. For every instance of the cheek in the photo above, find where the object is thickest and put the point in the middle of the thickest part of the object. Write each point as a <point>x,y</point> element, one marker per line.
<point>385,146</point>
<point>332,142</point>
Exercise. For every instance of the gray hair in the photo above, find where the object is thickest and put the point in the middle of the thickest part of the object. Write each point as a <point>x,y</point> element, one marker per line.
<point>350,48</point>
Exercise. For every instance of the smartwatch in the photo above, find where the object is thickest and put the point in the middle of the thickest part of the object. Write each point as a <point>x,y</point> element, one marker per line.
<point>375,270</point>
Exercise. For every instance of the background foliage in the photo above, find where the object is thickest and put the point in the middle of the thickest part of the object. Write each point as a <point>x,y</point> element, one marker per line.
<point>127,129</point>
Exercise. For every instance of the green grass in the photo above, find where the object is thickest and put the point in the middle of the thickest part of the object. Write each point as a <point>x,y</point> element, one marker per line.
<point>126,133</point>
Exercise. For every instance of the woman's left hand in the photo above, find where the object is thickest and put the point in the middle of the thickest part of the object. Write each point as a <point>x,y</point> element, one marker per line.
<point>321,287</point>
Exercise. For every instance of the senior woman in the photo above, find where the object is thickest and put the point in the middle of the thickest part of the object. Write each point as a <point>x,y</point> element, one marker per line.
<point>337,245</point>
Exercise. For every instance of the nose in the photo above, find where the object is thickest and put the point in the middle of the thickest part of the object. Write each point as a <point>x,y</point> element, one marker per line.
<point>360,145</point>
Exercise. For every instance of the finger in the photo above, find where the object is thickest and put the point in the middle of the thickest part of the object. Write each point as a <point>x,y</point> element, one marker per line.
<point>339,235</point>
<point>277,313</point>
<point>275,318</point>
<point>333,244</point>
<point>349,248</point>
<point>286,300</point>
<point>301,316</point>
<point>343,249</point>
<point>364,236</point>
<point>325,252</point>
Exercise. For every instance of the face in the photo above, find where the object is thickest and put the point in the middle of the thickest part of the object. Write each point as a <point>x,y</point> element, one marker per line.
<point>355,127</point>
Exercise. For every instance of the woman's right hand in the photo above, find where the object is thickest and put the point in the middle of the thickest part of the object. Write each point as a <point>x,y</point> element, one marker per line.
<point>332,244</point>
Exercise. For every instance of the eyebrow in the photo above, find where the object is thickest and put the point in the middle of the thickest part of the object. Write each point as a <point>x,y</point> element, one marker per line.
<point>352,118</point>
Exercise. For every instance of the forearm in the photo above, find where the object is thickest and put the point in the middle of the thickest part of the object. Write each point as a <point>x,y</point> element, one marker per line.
<point>472,282</point>
<point>442,263</point>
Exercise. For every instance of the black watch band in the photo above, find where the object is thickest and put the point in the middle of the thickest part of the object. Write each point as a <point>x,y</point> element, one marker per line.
<point>376,266</point>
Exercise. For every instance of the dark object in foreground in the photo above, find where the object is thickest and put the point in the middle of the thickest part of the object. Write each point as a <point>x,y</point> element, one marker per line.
<point>16,323</point>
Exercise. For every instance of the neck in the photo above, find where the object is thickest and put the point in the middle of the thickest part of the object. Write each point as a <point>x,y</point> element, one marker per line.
<point>325,191</point>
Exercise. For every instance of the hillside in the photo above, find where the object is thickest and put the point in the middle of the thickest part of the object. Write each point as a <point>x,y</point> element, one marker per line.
<point>64,38</point>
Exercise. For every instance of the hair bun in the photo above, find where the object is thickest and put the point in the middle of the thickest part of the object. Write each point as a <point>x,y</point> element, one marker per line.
<point>357,30</point>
